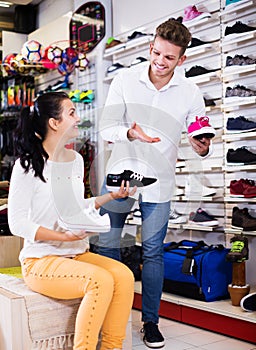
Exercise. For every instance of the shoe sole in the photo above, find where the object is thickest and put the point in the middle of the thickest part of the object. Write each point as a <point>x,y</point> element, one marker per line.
<point>244,299</point>
<point>206,223</point>
<point>197,19</point>
<point>89,228</point>
<point>158,345</point>
<point>237,131</point>
<point>243,229</point>
<point>139,189</point>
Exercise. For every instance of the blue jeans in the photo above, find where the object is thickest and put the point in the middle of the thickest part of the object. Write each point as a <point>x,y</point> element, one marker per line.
<point>154,226</point>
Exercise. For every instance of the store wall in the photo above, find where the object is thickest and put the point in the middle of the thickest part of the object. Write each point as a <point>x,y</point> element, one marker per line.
<point>135,14</point>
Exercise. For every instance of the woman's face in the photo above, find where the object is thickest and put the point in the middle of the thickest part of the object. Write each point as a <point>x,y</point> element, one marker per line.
<point>68,125</point>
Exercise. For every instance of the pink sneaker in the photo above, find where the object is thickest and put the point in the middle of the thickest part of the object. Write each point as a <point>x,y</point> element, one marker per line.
<point>192,14</point>
<point>201,128</point>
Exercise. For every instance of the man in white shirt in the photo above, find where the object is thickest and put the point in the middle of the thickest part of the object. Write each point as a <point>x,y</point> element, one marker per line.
<point>144,115</point>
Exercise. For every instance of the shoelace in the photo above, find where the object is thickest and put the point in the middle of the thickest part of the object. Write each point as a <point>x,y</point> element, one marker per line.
<point>137,176</point>
<point>203,121</point>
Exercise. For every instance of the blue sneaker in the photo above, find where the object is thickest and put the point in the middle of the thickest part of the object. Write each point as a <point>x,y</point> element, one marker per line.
<point>231,2</point>
<point>240,124</point>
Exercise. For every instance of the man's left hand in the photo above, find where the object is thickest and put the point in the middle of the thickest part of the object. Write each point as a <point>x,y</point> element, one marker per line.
<point>201,147</point>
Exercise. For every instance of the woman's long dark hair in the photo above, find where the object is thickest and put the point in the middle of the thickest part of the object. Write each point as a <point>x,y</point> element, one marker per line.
<point>32,129</point>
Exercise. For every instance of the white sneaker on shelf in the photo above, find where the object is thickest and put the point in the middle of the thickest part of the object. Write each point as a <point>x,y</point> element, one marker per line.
<point>194,188</point>
<point>176,218</point>
<point>88,219</point>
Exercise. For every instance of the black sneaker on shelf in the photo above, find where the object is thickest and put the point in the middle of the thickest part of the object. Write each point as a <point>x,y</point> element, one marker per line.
<point>240,124</point>
<point>196,42</point>
<point>152,336</point>
<point>135,179</point>
<point>239,250</point>
<point>198,70</point>
<point>239,60</point>
<point>240,156</point>
<point>241,219</point>
<point>202,218</point>
<point>248,302</point>
<point>209,102</point>
<point>239,28</point>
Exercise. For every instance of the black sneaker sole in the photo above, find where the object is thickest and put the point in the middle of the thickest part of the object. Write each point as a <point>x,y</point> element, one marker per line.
<point>157,345</point>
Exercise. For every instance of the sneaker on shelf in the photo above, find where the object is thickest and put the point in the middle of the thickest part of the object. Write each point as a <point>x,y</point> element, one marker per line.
<point>239,60</point>
<point>85,124</point>
<point>86,96</point>
<point>113,44</point>
<point>198,70</point>
<point>201,128</point>
<point>152,336</point>
<point>242,219</point>
<point>135,179</point>
<point>176,218</point>
<point>138,60</point>
<point>197,42</point>
<point>232,2</point>
<point>60,85</point>
<point>194,188</point>
<point>237,29</point>
<point>240,124</point>
<point>192,15</point>
<point>240,156</point>
<point>237,92</point>
<point>209,102</point>
<point>248,302</point>
<point>89,220</point>
<point>115,68</point>
<point>178,192</point>
<point>243,188</point>
<point>239,250</point>
<point>137,37</point>
<point>202,218</point>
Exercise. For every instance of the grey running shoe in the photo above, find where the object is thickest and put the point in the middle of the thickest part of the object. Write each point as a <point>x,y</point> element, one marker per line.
<point>239,91</point>
<point>239,60</point>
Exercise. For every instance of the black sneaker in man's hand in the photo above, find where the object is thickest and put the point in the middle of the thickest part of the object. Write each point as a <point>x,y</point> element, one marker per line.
<point>114,181</point>
<point>152,336</point>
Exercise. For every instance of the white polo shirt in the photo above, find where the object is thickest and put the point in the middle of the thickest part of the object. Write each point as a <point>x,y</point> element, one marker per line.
<point>160,113</point>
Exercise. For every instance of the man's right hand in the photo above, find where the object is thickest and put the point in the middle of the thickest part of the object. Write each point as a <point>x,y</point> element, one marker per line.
<point>136,133</point>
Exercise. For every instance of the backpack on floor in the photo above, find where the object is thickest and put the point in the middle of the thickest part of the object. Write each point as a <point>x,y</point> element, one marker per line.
<point>197,270</point>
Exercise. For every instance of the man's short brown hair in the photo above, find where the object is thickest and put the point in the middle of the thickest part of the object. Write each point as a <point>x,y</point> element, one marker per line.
<point>175,32</point>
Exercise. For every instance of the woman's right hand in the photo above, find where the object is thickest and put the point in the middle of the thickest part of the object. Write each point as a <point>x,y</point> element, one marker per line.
<point>75,236</point>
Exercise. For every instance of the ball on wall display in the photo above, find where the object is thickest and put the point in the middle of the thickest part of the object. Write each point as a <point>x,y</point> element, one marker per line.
<point>20,64</point>
<point>82,62</point>
<point>8,64</point>
<point>54,54</point>
<point>70,55</point>
<point>32,50</point>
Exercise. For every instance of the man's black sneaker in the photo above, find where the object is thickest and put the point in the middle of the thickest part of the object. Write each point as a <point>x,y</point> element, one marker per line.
<point>240,124</point>
<point>198,70</point>
<point>202,218</point>
<point>114,181</point>
<point>248,302</point>
<point>241,219</point>
<point>239,250</point>
<point>152,336</point>
<point>240,156</point>
<point>239,28</point>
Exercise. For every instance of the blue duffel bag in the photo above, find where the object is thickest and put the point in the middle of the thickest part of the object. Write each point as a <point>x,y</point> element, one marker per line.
<point>197,270</point>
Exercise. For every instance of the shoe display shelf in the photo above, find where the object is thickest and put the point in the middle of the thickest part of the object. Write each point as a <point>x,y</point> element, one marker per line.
<point>132,46</point>
<point>235,8</point>
<point>217,316</point>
